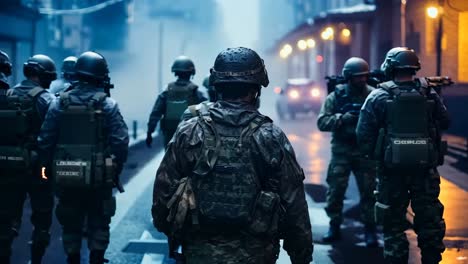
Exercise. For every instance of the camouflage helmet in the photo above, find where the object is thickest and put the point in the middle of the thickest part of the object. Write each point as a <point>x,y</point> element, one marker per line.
<point>93,65</point>
<point>68,65</point>
<point>183,64</point>
<point>355,66</point>
<point>239,65</point>
<point>42,66</point>
<point>5,64</point>
<point>400,58</point>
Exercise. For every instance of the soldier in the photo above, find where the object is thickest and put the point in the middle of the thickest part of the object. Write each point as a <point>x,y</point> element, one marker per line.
<point>68,76</point>
<point>400,125</point>
<point>210,89</point>
<point>173,101</point>
<point>339,114</point>
<point>225,162</point>
<point>87,164</point>
<point>19,167</point>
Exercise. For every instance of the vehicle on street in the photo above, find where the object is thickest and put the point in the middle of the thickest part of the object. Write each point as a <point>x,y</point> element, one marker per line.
<point>300,95</point>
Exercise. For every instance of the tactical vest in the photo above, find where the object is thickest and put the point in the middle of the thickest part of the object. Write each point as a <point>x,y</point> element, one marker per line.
<point>407,140</point>
<point>21,123</point>
<point>177,101</point>
<point>225,182</point>
<point>81,158</point>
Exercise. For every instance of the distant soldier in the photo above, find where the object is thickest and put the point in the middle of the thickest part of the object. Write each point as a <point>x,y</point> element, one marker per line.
<point>339,114</point>
<point>210,89</point>
<point>174,100</point>
<point>68,76</point>
<point>400,125</point>
<point>85,139</point>
<point>229,187</point>
<point>21,116</point>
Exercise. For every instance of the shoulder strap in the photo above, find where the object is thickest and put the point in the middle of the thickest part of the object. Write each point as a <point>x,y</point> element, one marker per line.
<point>36,91</point>
<point>193,110</point>
<point>390,87</point>
<point>255,124</point>
<point>96,100</point>
<point>65,99</point>
<point>9,92</point>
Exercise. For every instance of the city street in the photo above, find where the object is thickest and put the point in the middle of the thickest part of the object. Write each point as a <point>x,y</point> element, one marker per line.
<point>297,40</point>
<point>132,232</point>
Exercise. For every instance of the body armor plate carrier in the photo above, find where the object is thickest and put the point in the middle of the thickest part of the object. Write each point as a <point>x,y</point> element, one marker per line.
<point>21,122</point>
<point>81,159</point>
<point>408,139</point>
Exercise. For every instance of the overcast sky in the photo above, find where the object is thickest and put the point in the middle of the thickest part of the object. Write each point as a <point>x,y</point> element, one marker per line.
<point>241,21</point>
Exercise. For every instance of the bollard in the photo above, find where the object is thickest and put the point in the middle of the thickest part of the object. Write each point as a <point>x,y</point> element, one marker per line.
<point>135,126</point>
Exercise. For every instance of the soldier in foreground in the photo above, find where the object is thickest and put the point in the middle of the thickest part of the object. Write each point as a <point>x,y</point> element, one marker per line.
<point>173,101</point>
<point>87,161</point>
<point>22,115</point>
<point>224,162</point>
<point>339,114</point>
<point>400,125</point>
<point>68,76</point>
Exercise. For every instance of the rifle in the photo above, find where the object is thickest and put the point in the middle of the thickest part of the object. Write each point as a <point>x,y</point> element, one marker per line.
<point>436,82</point>
<point>333,81</point>
<point>375,77</point>
<point>351,108</point>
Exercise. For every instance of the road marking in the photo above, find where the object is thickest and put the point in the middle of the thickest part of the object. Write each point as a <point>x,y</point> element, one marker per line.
<point>133,189</point>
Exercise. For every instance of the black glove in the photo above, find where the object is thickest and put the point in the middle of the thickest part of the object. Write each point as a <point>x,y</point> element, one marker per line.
<point>349,119</point>
<point>149,140</point>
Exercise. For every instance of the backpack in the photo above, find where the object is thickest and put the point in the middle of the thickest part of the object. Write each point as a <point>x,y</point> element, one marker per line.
<point>80,159</point>
<point>177,101</point>
<point>407,139</point>
<point>21,123</point>
<point>225,182</point>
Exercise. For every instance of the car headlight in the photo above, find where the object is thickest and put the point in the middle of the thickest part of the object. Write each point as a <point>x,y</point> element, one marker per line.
<point>315,92</point>
<point>293,94</point>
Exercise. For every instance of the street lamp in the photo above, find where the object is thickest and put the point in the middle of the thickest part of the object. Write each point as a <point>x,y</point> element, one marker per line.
<point>302,44</point>
<point>327,34</point>
<point>434,12</point>
<point>310,43</point>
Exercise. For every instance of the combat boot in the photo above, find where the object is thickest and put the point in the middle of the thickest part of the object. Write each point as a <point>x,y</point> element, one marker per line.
<point>73,258</point>
<point>333,234</point>
<point>97,257</point>
<point>370,236</point>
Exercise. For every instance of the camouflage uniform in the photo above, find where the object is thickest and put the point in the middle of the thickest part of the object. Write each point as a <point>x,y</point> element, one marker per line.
<point>275,158</point>
<point>159,108</point>
<point>346,158</point>
<point>14,192</point>
<point>97,206</point>
<point>397,188</point>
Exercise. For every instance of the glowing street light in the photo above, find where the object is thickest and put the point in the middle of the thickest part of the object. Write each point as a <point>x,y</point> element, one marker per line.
<point>327,33</point>
<point>346,33</point>
<point>302,44</point>
<point>288,48</point>
<point>310,43</point>
<point>432,12</point>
